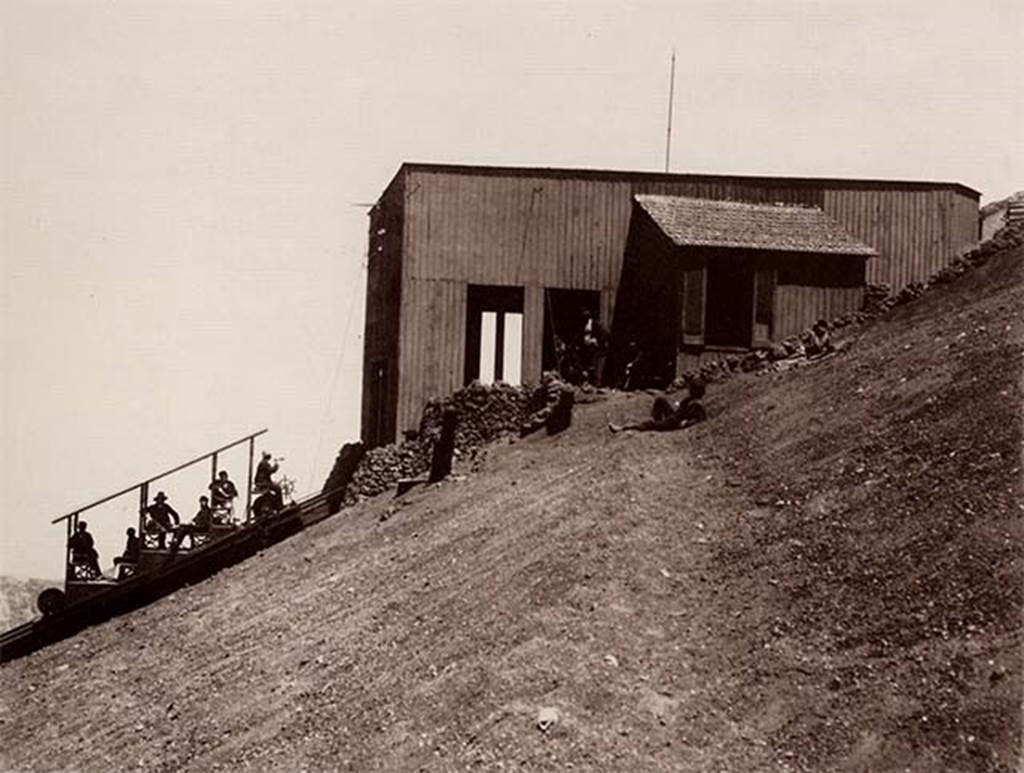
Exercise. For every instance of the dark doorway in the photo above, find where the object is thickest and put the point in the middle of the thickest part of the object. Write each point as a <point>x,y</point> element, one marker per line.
<point>563,324</point>
<point>730,303</point>
<point>491,311</point>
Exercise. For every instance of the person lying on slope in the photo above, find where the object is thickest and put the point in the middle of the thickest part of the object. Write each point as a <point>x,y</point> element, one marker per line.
<point>665,416</point>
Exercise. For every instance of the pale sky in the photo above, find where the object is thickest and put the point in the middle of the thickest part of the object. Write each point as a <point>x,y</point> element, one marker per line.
<point>183,230</point>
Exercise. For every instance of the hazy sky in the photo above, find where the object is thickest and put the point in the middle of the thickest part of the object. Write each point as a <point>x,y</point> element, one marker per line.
<point>183,185</point>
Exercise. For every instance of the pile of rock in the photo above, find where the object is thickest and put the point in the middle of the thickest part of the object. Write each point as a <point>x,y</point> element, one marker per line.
<point>544,401</point>
<point>381,468</point>
<point>485,413</point>
<point>875,297</point>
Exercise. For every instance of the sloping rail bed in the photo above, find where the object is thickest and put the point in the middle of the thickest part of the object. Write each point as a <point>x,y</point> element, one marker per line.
<point>159,571</point>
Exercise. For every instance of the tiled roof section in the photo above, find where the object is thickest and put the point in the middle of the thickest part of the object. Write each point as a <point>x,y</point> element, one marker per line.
<point>709,223</point>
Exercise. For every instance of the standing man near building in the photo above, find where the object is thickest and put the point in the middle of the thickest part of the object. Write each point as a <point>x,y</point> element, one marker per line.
<point>593,343</point>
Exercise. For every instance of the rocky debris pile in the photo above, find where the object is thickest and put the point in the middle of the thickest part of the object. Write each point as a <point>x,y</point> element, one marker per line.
<point>877,301</point>
<point>381,468</point>
<point>544,402</point>
<point>875,296</point>
<point>1010,236</point>
<point>486,412</point>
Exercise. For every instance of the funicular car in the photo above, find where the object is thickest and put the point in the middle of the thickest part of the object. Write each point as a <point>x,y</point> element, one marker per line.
<point>165,559</point>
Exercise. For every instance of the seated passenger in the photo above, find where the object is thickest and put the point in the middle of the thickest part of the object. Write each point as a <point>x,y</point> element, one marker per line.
<point>201,524</point>
<point>665,416</point>
<point>131,549</point>
<point>130,556</point>
<point>83,550</point>
<point>223,493</point>
<point>161,518</point>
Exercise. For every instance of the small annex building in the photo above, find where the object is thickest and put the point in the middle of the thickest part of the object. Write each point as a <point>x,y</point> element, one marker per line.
<point>704,277</point>
<point>482,271</point>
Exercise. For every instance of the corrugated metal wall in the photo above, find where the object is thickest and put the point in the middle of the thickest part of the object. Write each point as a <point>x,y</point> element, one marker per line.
<point>554,230</point>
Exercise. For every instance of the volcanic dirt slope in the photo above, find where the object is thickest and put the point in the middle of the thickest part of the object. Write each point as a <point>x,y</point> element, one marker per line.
<point>825,575</point>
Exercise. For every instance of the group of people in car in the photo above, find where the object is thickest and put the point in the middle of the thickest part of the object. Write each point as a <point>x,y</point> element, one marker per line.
<point>162,520</point>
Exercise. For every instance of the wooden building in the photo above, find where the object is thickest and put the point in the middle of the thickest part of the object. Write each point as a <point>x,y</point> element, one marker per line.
<point>702,278</point>
<point>455,248</point>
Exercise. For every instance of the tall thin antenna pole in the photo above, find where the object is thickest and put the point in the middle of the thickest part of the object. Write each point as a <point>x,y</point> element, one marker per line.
<point>671,93</point>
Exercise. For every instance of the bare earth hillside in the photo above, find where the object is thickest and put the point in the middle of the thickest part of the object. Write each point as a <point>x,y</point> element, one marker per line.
<point>825,575</point>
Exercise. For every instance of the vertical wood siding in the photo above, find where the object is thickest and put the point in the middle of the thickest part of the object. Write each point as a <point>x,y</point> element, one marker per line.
<point>798,307</point>
<point>536,230</point>
<point>916,232</point>
<point>382,325</point>
<point>434,339</point>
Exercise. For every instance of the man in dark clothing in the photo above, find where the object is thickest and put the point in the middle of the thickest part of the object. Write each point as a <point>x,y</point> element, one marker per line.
<point>131,549</point>
<point>665,416</point>
<point>161,518</point>
<point>633,375</point>
<point>201,524</point>
<point>271,497</point>
<point>83,550</point>
<point>223,493</point>
<point>264,470</point>
<point>593,342</point>
<point>127,560</point>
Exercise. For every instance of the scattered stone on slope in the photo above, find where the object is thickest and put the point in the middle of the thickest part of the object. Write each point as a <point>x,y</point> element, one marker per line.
<point>878,300</point>
<point>485,413</point>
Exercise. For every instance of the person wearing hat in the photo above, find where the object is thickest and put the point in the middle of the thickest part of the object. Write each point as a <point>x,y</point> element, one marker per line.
<point>161,518</point>
<point>264,472</point>
<point>83,550</point>
<point>665,416</point>
<point>263,483</point>
<point>271,498</point>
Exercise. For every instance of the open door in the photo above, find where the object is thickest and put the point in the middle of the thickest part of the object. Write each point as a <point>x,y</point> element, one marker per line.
<point>729,303</point>
<point>494,324</point>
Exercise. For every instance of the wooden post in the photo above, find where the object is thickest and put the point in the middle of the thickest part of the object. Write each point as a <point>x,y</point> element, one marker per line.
<point>68,570</point>
<point>143,504</point>
<point>533,334</point>
<point>444,449</point>
<point>213,473</point>
<point>248,486</point>
<point>499,346</point>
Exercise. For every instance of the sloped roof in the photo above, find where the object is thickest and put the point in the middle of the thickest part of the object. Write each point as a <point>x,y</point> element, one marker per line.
<point>711,223</point>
